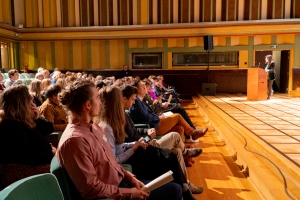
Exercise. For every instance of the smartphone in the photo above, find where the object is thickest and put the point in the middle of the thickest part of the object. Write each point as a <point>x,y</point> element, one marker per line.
<point>147,139</point>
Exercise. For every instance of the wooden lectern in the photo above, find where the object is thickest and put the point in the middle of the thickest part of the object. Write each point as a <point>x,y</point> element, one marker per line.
<point>257,84</point>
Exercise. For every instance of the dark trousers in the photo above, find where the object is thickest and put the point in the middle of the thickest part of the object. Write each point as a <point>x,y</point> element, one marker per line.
<point>169,191</point>
<point>150,163</point>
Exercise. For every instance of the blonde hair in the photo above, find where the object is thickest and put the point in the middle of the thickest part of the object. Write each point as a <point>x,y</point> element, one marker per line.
<point>35,89</point>
<point>46,82</point>
<point>112,112</point>
<point>61,82</point>
<point>15,104</point>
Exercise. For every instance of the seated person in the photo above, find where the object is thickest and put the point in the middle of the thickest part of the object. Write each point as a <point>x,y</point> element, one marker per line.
<point>35,90</point>
<point>171,140</point>
<point>13,76</point>
<point>86,155</point>
<point>140,112</point>
<point>53,110</point>
<point>159,89</point>
<point>159,108</point>
<point>2,86</point>
<point>23,149</point>
<point>141,157</point>
<point>166,86</point>
<point>125,72</point>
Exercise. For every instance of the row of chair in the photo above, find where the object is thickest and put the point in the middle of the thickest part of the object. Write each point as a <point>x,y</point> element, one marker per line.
<point>56,185</point>
<point>24,77</point>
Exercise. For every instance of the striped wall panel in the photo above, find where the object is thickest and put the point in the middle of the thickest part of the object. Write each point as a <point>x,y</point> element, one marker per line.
<point>5,12</point>
<point>207,10</point>
<point>82,13</point>
<point>186,11</point>
<point>295,11</point>
<point>229,10</point>
<point>164,11</point>
<point>252,10</point>
<point>125,8</point>
<point>275,9</point>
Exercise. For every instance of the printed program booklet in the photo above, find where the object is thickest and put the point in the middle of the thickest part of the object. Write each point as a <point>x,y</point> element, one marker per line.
<point>159,181</point>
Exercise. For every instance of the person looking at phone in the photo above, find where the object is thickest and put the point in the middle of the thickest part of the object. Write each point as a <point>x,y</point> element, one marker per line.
<point>170,141</point>
<point>86,155</point>
<point>139,154</point>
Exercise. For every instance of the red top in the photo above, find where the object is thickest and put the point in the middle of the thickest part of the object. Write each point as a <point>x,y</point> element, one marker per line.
<point>85,153</point>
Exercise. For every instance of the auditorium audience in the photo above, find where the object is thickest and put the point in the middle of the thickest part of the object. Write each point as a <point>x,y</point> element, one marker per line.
<point>171,140</point>
<point>160,107</point>
<point>140,112</point>
<point>87,157</point>
<point>2,86</point>
<point>160,89</point>
<point>13,76</point>
<point>139,154</point>
<point>23,148</point>
<point>46,73</point>
<point>62,83</point>
<point>99,84</point>
<point>39,76</point>
<point>55,76</point>
<point>53,110</point>
<point>35,90</point>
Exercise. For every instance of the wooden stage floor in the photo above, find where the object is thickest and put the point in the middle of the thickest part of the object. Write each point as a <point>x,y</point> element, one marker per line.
<point>225,169</point>
<point>275,121</point>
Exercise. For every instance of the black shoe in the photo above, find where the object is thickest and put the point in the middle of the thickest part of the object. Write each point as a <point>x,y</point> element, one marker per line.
<point>187,195</point>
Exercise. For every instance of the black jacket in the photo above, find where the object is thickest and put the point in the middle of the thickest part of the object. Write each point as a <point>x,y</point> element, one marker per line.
<point>133,133</point>
<point>20,144</point>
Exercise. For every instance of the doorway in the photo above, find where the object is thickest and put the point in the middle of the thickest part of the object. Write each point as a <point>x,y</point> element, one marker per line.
<point>282,60</point>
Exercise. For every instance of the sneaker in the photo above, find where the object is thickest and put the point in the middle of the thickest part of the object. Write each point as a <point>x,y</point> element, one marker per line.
<point>190,140</point>
<point>199,133</point>
<point>192,152</point>
<point>194,189</point>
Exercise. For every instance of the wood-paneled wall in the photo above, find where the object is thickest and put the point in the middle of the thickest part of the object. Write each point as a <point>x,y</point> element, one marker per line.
<point>82,13</point>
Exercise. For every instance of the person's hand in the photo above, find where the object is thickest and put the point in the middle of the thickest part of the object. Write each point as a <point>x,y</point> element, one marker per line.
<point>53,149</point>
<point>162,116</point>
<point>152,133</point>
<point>136,183</point>
<point>165,104</point>
<point>35,110</point>
<point>138,194</point>
<point>140,143</point>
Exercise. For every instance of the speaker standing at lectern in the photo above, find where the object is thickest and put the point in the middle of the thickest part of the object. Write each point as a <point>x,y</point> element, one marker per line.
<point>270,68</point>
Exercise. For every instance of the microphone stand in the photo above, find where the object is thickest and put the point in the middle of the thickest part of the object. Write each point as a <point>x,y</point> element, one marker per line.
<point>207,69</point>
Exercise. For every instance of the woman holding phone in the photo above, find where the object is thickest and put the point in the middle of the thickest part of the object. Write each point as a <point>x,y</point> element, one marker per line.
<point>147,162</point>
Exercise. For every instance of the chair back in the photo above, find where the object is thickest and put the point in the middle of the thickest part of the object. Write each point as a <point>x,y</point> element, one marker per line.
<point>67,186</point>
<point>37,187</point>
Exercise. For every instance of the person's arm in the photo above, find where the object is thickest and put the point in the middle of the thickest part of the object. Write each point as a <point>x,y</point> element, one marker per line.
<point>143,113</point>
<point>121,152</point>
<point>80,168</point>
<point>44,126</point>
<point>133,133</point>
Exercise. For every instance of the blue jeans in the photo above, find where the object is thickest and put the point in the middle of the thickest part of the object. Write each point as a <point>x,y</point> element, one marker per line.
<point>169,191</point>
